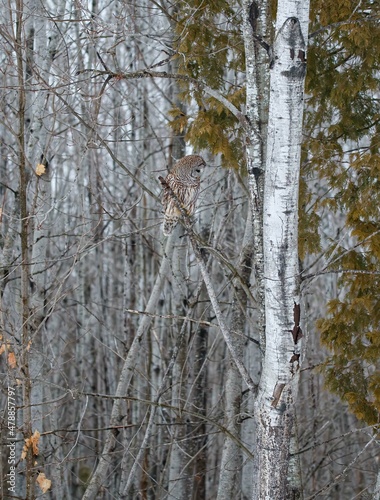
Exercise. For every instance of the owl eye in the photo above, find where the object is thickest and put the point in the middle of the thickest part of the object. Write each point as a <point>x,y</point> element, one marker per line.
<point>197,170</point>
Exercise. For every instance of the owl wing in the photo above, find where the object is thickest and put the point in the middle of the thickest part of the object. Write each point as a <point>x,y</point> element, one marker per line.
<point>186,194</point>
<point>166,195</point>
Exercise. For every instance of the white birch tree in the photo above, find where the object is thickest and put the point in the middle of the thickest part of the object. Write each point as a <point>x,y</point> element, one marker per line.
<point>274,407</point>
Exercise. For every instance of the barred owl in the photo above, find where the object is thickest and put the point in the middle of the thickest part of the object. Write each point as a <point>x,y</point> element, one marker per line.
<point>184,181</point>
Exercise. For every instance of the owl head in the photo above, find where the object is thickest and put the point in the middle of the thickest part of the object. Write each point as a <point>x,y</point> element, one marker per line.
<point>191,165</point>
<point>196,164</point>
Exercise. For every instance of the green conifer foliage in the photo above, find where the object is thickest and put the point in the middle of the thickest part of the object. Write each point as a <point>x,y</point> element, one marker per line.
<point>209,48</point>
<point>342,149</point>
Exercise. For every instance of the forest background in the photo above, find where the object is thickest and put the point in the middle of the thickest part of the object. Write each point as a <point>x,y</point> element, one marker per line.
<point>118,345</point>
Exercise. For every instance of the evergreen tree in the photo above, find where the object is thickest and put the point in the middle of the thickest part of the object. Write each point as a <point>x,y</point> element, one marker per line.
<point>341,148</point>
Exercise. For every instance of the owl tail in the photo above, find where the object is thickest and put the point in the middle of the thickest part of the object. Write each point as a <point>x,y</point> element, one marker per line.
<point>169,224</point>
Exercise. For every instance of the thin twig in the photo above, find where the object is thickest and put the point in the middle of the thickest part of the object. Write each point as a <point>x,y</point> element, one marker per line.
<point>78,431</point>
<point>171,316</point>
<point>342,23</point>
<point>167,406</point>
<point>341,476</point>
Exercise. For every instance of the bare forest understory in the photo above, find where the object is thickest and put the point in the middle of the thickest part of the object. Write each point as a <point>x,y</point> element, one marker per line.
<point>237,356</point>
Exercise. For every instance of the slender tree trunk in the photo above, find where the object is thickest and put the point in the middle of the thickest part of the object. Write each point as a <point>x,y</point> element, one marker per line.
<point>376,492</point>
<point>40,58</point>
<point>152,412</point>
<point>24,232</point>
<point>126,374</point>
<point>255,24</point>
<point>274,408</point>
<point>179,480</point>
<point>231,463</point>
<point>197,446</point>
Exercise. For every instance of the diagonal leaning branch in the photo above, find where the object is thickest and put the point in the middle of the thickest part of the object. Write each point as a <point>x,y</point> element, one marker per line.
<point>185,220</point>
<point>126,374</point>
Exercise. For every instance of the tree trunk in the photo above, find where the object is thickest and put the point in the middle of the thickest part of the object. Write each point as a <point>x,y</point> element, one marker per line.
<point>179,480</point>
<point>274,408</point>
<point>126,374</point>
<point>255,24</point>
<point>231,463</point>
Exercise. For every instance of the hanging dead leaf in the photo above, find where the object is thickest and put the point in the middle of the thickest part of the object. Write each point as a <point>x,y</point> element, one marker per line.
<point>43,482</point>
<point>4,346</point>
<point>31,442</point>
<point>18,381</point>
<point>29,345</point>
<point>12,360</point>
<point>40,169</point>
<point>34,441</point>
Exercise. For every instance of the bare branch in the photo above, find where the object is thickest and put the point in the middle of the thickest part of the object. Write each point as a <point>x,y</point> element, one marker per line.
<point>147,73</point>
<point>186,221</point>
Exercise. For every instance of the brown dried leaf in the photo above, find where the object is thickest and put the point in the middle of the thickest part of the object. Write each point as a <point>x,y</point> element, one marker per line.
<point>31,442</point>
<point>12,360</point>
<point>34,442</point>
<point>40,169</point>
<point>43,482</point>
<point>2,348</point>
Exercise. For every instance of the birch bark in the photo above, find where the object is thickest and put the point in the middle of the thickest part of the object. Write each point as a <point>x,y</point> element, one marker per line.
<point>274,408</point>
<point>256,24</point>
